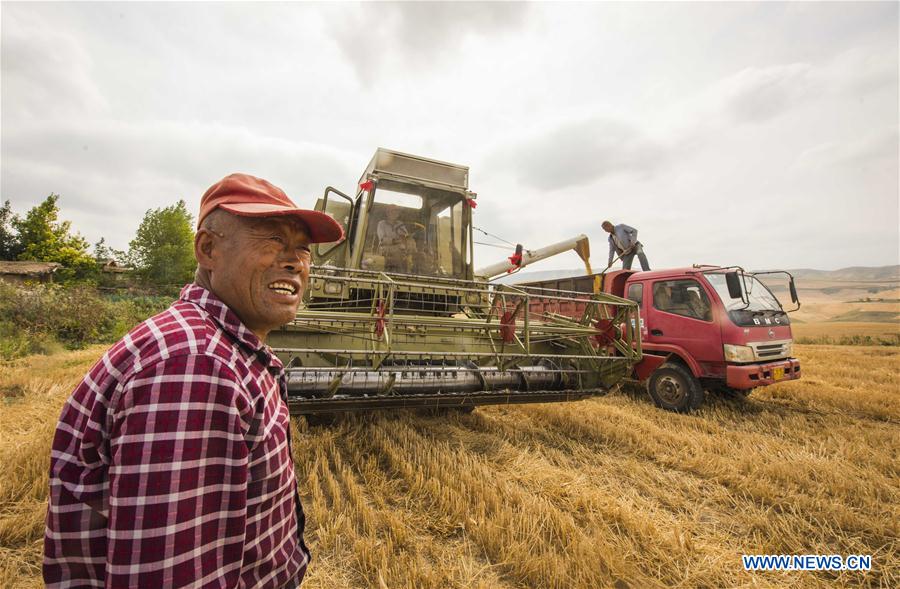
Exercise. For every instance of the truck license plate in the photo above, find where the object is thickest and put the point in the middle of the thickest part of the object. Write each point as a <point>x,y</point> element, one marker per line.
<point>777,373</point>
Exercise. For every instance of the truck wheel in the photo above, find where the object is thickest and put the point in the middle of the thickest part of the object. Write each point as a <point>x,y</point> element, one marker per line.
<point>674,388</point>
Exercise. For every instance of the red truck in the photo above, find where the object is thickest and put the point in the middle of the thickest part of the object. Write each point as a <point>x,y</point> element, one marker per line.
<point>702,328</point>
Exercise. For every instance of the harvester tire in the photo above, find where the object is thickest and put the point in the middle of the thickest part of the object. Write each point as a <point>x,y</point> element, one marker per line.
<point>674,388</point>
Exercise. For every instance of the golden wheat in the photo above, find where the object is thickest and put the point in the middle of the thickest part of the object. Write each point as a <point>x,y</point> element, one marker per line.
<point>606,492</point>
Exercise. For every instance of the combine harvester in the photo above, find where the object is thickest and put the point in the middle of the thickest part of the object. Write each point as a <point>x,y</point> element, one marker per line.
<point>396,315</point>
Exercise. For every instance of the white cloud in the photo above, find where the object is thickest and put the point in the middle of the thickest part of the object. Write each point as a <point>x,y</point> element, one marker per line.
<point>755,95</point>
<point>578,152</point>
<point>874,149</point>
<point>49,70</point>
<point>416,35</point>
<point>863,70</point>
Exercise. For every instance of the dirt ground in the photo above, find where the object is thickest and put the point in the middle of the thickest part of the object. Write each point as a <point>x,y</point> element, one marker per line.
<point>609,492</point>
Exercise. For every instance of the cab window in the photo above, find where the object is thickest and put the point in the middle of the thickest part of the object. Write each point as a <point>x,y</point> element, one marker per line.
<point>682,297</point>
<point>419,231</point>
<point>635,293</point>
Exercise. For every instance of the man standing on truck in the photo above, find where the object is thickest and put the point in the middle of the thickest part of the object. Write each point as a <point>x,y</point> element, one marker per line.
<point>171,465</point>
<point>623,242</point>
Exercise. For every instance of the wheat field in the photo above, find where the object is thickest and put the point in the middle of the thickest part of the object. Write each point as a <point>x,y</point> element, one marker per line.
<point>886,332</point>
<point>608,492</point>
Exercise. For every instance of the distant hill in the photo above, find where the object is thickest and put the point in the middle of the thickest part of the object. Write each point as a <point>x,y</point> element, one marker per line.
<point>853,273</point>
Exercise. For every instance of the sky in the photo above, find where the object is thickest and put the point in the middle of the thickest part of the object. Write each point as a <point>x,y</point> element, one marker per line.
<point>755,134</point>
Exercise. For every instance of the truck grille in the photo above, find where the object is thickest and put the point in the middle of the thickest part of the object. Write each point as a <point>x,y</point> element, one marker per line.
<point>776,350</point>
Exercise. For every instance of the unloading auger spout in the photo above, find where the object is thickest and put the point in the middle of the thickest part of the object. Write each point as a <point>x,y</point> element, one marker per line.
<point>525,257</point>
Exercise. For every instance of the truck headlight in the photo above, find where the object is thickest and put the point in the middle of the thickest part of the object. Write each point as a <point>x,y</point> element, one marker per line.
<point>738,353</point>
<point>789,348</point>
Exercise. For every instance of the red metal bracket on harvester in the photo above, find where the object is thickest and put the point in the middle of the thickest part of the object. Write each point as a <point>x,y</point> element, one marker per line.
<point>379,319</point>
<point>606,333</point>
<point>508,324</point>
<point>516,259</point>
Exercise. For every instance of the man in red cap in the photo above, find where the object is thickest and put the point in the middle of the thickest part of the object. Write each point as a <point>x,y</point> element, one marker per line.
<point>171,463</point>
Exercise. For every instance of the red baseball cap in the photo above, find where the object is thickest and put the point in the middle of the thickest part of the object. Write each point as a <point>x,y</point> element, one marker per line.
<point>249,196</point>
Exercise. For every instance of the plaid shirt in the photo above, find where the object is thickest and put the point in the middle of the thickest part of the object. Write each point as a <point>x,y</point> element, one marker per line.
<point>171,463</point>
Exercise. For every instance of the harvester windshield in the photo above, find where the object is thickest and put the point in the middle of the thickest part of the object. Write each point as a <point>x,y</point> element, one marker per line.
<point>415,230</point>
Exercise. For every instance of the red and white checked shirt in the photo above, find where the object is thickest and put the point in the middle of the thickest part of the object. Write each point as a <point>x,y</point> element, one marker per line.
<point>171,463</point>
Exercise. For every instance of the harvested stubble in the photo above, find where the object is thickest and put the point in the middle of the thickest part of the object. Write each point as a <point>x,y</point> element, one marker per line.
<point>607,492</point>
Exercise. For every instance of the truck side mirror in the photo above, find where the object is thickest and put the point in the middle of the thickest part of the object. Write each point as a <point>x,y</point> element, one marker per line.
<point>793,289</point>
<point>733,281</point>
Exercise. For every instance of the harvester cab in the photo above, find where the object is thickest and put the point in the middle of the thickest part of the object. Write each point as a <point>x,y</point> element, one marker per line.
<point>395,315</point>
<point>410,216</point>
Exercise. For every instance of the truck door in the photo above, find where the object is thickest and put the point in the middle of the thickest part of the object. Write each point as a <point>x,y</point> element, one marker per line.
<point>681,315</point>
<point>635,292</point>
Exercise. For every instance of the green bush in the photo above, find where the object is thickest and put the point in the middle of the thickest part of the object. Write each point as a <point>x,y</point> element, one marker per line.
<point>33,317</point>
<point>15,343</point>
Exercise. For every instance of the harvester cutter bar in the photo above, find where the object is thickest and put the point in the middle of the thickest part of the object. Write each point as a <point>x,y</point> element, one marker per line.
<point>435,401</point>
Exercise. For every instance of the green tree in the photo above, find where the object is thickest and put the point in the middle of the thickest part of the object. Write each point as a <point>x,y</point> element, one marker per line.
<point>104,253</point>
<point>44,238</point>
<point>162,251</point>
<point>9,241</point>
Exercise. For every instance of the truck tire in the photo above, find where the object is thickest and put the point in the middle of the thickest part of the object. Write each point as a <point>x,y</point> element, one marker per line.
<point>674,388</point>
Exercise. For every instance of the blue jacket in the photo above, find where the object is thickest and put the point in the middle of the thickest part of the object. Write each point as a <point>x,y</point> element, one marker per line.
<point>622,239</point>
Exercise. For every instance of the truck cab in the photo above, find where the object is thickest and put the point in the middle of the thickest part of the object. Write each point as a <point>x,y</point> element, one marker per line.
<point>717,336</point>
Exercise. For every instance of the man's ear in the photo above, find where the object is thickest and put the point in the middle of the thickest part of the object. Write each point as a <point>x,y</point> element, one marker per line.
<point>204,249</point>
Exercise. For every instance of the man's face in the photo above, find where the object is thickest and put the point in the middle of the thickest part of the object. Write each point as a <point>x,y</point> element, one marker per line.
<point>393,214</point>
<point>262,270</point>
<point>608,227</point>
